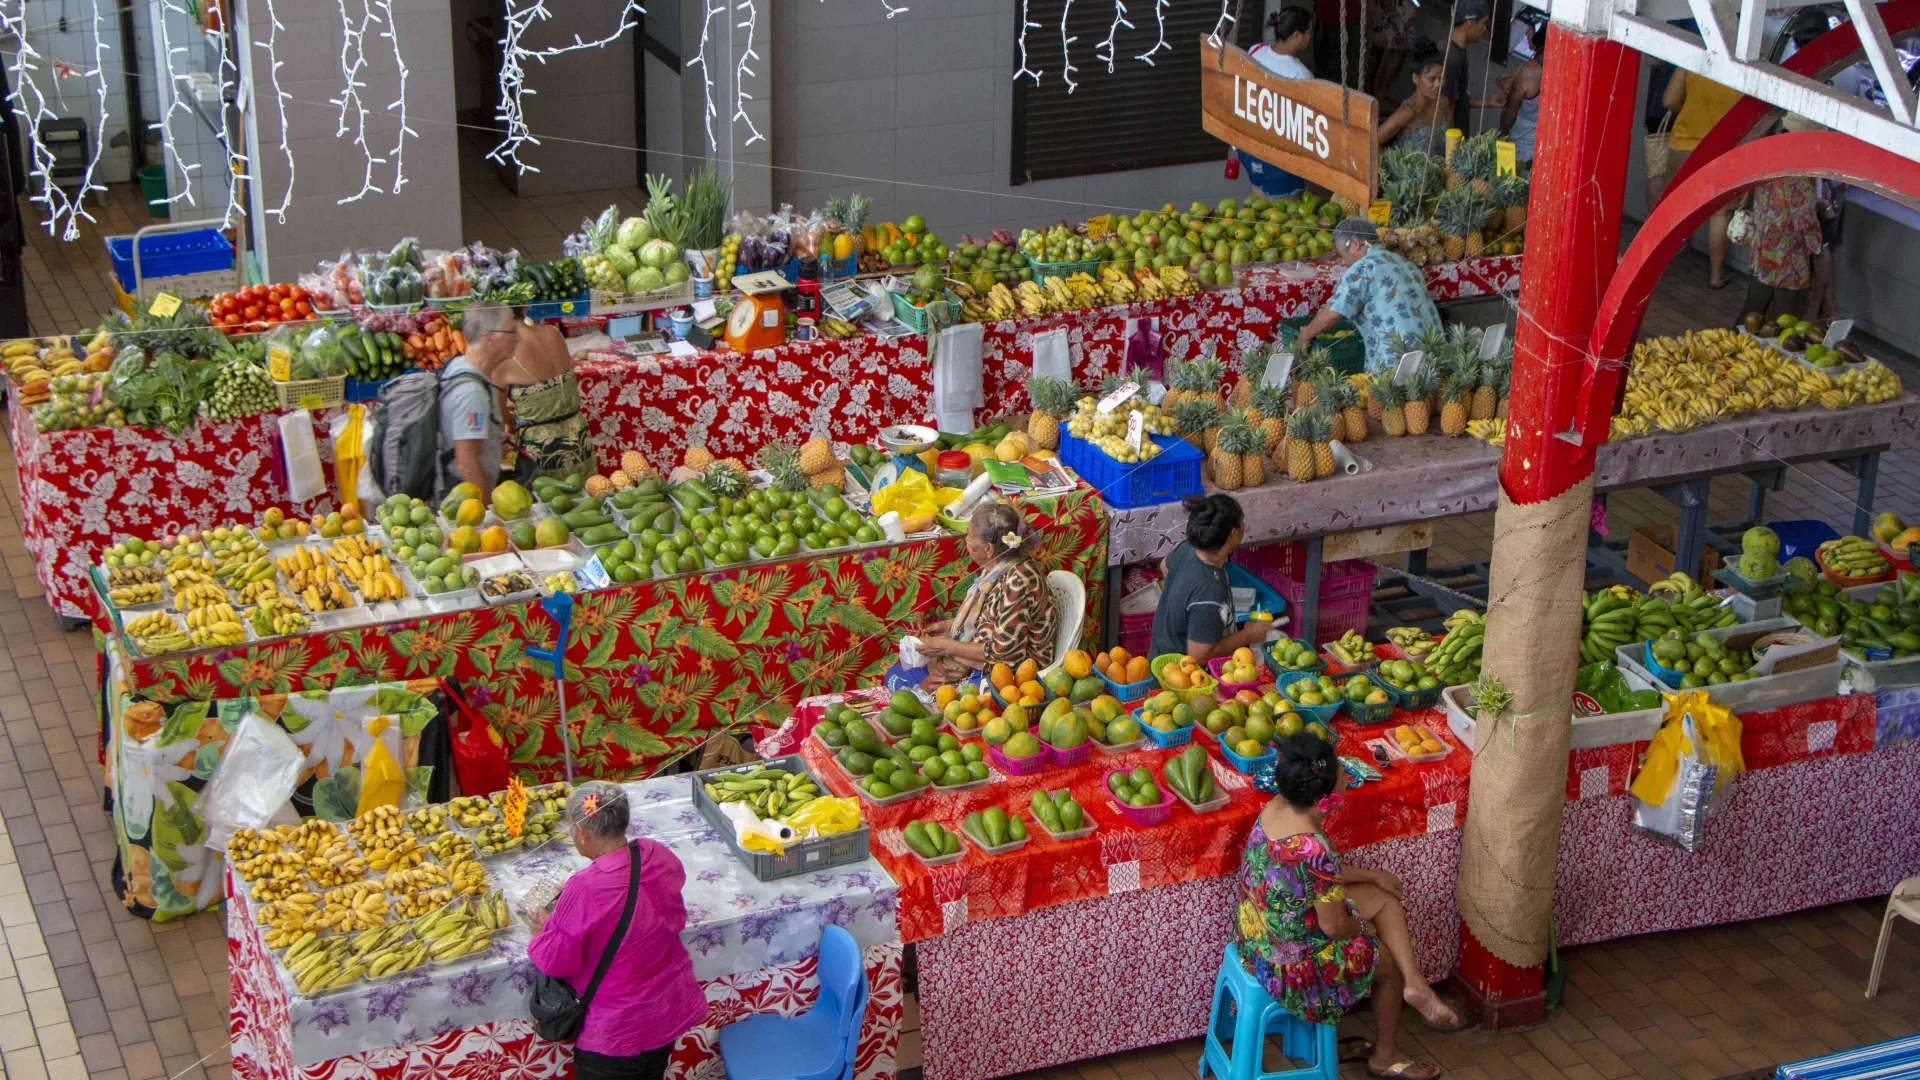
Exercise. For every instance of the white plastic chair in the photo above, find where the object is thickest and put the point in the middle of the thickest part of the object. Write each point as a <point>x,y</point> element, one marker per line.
<point>1905,902</point>
<point>1070,605</point>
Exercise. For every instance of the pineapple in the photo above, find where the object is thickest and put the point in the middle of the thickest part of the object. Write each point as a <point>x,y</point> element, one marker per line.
<point>1322,452</point>
<point>834,211</point>
<point>782,463</point>
<point>1270,404</point>
<point>597,485</point>
<point>1197,420</point>
<point>1364,383</point>
<point>1335,398</point>
<point>634,463</point>
<point>1235,432</point>
<point>1486,399</point>
<point>1419,389</point>
<point>1199,377</point>
<point>1355,407</point>
<point>1305,370</point>
<point>1510,194</point>
<point>1458,215</point>
<point>725,479</point>
<point>1503,387</point>
<point>816,456</point>
<point>620,480</point>
<point>1392,397</point>
<point>854,224</point>
<point>1052,402</point>
<point>1473,162</point>
<point>1301,428</point>
<point>1455,389</point>
<point>1139,377</point>
<point>697,458</point>
<point>1241,435</point>
<point>1253,368</point>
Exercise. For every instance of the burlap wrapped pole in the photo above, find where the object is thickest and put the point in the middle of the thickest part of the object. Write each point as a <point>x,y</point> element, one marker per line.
<point>1512,840</point>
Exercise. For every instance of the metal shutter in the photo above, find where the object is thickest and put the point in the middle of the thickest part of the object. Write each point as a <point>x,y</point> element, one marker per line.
<point>1138,117</point>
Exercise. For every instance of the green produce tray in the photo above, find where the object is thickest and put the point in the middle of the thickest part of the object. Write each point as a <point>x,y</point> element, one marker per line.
<point>917,317</point>
<point>1044,270</point>
<point>802,856</point>
<point>1348,355</point>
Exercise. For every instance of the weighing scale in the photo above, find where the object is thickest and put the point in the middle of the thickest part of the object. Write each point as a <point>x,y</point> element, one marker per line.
<point>759,317</point>
<point>905,443</point>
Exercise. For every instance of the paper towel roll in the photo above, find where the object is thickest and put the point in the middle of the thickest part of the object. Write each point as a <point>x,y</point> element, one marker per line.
<point>1345,461</point>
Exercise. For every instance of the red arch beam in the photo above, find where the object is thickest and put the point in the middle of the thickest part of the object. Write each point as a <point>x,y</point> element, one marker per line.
<point>1688,204</point>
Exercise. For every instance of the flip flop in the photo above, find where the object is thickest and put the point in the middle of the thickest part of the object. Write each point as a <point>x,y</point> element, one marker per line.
<point>1722,285</point>
<point>1354,1049</point>
<point>1403,1070</point>
<point>1460,1020</point>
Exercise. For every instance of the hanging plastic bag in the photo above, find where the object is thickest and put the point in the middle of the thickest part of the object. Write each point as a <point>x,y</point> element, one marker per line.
<point>305,479</point>
<point>825,816</point>
<point>353,432</point>
<point>256,776</point>
<point>382,780</point>
<point>1686,769</point>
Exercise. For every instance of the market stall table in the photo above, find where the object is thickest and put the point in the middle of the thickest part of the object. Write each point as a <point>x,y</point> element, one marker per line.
<point>754,946</point>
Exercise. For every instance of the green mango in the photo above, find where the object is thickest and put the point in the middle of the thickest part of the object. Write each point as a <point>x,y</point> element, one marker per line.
<point>995,821</point>
<point>906,704</point>
<point>861,736</point>
<point>855,762</point>
<point>521,535</point>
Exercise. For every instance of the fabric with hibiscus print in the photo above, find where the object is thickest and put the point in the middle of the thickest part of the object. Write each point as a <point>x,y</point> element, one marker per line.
<point>1277,929</point>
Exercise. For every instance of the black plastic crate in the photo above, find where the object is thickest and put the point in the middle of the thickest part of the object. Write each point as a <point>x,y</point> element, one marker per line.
<point>803,856</point>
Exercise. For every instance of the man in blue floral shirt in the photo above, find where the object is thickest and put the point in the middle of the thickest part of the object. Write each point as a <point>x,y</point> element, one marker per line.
<point>1382,294</point>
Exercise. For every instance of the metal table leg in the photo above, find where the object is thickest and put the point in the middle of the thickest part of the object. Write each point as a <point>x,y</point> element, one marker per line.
<point>1691,497</point>
<point>1869,472</point>
<point>1307,619</point>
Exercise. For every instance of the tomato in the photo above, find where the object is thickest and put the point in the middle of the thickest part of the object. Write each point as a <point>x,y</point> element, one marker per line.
<point>303,307</point>
<point>296,292</point>
<point>252,312</point>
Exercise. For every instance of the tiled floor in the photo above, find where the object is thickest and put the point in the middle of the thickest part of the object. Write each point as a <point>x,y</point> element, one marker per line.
<point>87,990</point>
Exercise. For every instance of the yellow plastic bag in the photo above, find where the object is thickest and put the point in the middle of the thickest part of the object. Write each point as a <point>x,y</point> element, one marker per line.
<point>349,455</point>
<point>913,496</point>
<point>1719,731</point>
<point>825,816</point>
<point>382,781</point>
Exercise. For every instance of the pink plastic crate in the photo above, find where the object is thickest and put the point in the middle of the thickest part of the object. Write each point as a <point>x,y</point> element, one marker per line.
<point>1275,562</point>
<point>1346,590</point>
<point>1228,689</point>
<point>1136,634</point>
<point>1144,816</point>
<point>1075,756</point>
<point>1025,766</point>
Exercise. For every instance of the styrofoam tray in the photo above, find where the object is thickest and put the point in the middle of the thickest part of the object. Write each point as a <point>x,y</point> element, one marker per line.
<point>569,556</point>
<point>1753,695</point>
<point>455,600</point>
<point>501,563</point>
<point>1636,725</point>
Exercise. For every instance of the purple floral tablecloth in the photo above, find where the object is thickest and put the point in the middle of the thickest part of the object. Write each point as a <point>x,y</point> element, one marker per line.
<point>736,924</point>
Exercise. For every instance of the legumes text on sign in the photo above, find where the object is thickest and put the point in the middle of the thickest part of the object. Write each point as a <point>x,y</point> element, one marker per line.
<point>1309,127</point>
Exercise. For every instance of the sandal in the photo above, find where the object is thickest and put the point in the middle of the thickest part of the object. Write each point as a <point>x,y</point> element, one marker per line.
<point>1405,1070</point>
<point>1460,1021</point>
<point>1354,1049</point>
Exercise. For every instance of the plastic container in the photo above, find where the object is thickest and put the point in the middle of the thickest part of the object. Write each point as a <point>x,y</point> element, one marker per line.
<point>1220,799</point>
<point>1189,695</point>
<point>1347,355</point>
<point>1058,757</point>
<point>1607,729</point>
<point>916,317</point>
<point>1753,695</point>
<point>1764,589</point>
<point>170,255</point>
<point>941,860</point>
<point>1118,748</point>
<point>1445,747</point>
<point>1168,478</point>
<point>1044,270</point>
<point>1136,631</point>
<point>1242,765</point>
<point>1025,766</point>
<point>1229,689</point>
<point>1144,816</point>
<point>571,308</point>
<point>1163,739</point>
<point>1322,713</point>
<point>1363,713</point>
<point>1070,834</point>
<point>1846,582</point>
<point>1801,537</point>
<point>1128,693</point>
<point>1411,700</point>
<point>1278,669</point>
<point>1007,848</point>
<point>802,856</point>
<point>891,800</point>
<point>1346,591</point>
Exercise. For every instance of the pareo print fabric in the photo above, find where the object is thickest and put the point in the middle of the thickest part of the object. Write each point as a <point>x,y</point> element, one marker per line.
<point>1314,976</point>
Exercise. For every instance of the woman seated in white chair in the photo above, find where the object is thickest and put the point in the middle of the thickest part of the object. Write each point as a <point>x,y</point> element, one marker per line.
<point>1008,614</point>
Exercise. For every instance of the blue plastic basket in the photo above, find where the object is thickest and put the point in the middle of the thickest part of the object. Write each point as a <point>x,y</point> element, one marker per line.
<point>1164,739</point>
<point>1322,713</point>
<point>1172,476</point>
<point>1663,672</point>
<point>1800,537</point>
<point>365,389</point>
<point>1242,765</point>
<point>1132,691</point>
<point>573,308</point>
<point>166,255</point>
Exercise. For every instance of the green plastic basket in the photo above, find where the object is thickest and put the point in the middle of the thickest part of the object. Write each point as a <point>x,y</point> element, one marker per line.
<point>1063,269</point>
<point>1348,355</point>
<point>919,317</point>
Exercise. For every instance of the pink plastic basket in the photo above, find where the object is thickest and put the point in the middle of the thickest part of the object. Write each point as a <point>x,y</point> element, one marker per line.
<point>1136,633</point>
<point>1273,563</point>
<point>1346,589</point>
<point>1075,756</point>
<point>1228,689</point>
<point>1025,766</point>
<point>1144,816</point>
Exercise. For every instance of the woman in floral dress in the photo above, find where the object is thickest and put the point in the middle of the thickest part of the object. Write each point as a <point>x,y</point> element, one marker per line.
<point>1786,237</point>
<point>1299,923</point>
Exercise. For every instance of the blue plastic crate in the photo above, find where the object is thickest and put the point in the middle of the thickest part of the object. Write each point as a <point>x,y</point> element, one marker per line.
<point>1172,476</point>
<point>575,308</point>
<point>1265,597</point>
<point>365,389</point>
<point>165,255</point>
<point>1797,538</point>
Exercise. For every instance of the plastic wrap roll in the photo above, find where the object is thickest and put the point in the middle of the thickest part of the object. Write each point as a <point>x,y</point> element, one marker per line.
<point>1345,461</point>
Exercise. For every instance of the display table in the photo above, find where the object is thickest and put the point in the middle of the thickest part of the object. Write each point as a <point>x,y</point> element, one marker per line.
<point>754,946</point>
<point>81,490</point>
<point>661,664</point>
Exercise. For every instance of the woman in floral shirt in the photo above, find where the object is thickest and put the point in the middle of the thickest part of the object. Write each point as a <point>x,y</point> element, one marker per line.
<point>1299,926</point>
<point>1007,616</point>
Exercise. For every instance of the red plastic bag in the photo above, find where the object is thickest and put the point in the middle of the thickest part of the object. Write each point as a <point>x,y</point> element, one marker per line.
<point>479,757</point>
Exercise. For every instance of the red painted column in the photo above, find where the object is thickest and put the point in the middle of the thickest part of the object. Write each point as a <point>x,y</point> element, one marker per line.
<point>1587,119</point>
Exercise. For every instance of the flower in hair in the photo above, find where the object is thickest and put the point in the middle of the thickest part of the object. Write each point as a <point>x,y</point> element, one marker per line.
<point>1010,540</point>
<point>590,803</point>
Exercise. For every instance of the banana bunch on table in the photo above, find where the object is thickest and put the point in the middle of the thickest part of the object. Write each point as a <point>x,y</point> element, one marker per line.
<point>1413,641</point>
<point>1456,660</point>
<point>1118,285</point>
<point>770,793</point>
<point>198,595</point>
<point>130,595</point>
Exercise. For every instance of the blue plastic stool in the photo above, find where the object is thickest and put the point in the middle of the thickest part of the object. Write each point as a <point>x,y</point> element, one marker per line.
<point>1256,1015</point>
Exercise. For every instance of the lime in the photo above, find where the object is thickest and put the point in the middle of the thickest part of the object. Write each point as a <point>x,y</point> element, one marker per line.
<point>866,534</point>
<point>765,545</point>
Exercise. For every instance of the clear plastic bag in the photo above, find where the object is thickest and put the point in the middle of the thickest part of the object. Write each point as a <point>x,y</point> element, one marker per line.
<point>255,778</point>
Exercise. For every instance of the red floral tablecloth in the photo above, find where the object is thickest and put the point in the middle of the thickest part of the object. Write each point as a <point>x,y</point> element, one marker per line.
<point>660,664</point>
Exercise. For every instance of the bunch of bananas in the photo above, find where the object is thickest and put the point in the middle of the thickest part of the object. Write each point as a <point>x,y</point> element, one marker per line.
<point>253,592</point>
<point>1456,660</point>
<point>205,594</point>
<point>303,566</point>
<point>1874,383</point>
<point>369,568</point>
<point>418,902</point>
<point>770,793</point>
<point>1177,281</point>
<point>212,614</point>
<point>539,830</point>
<point>416,879</point>
<point>1618,615</point>
<point>1607,622</point>
<point>1492,432</point>
<point>1676,384</point>
<point>289,919</point>
<point>185,570</point>
<point>311,837</point>
<point>452,847</point>
<point>460,929</point>
<point>279,888</point>
<point>428,820</point>
<point>1853,556</point>
<point>267,865</point>
<point>559,789</point>
<point>151,624</point>
<point>245,570</point>
<point>318,963</point>
<point>998,305</point>
<point>246,843</point>
<point>495,840</point>
<point>473,811</point>
<point>1118,285</point>
<point>336,868</point>
<point>1412,640</point>
<point>147,574</point>
<point>1032,298</point>
<point>279,614</point>
<point>359,905</point>
<point>466,876</point>
<point>1351,649</point>
<point>129,595</point>
<point>212,631</point>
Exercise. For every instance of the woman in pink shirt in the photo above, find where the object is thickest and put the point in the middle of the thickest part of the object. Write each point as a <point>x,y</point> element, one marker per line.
<point>649,997</point>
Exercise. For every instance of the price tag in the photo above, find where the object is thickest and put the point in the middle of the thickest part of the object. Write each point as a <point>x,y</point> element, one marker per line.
<point>1136,429</point>
<point>1837,332</point>
<point>1408,365</point>
<point>280,364</point>
<point>1112,401</point>
<point>593,575</point>
<point>1504,160</point>
<point>164,305</point>
<point>1098,227</point>
<point>1380,212</point>
<point>1279,370</point>
<point>1495,337</point>
<point>309,401</point>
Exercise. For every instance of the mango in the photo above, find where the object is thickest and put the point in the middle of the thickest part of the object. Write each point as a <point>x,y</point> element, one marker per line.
<point>997,731</point>
<point>550,532</point>
<point>521,535</point>
<point>465,539</point>
<point>469,512</point>
<point>460,493</point>
<point>494,539</point>
<point>1085,690</point>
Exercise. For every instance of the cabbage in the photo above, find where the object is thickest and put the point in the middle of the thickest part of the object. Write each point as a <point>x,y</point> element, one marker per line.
<point>632,233</point>
<point>658,254</point>
<point>645,279</point>
<point>621,260</point>
<point>676,272</point>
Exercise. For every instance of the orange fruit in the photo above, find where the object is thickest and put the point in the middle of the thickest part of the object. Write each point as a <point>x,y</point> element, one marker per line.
<point>1118,655</point>
<point>1027,672</point>
<point>1137,669</point>
<point>1078,663</point>
<point>944,696</point>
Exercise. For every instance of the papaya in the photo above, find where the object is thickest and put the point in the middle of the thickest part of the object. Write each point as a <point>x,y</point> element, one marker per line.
<point>511,501</point>
<point>460,493</point>
<point>493,540</point>
<point>470,512</point>
<point>553,532</point>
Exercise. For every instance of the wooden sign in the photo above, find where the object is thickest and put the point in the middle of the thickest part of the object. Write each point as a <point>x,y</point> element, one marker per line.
<point>1294,124</point>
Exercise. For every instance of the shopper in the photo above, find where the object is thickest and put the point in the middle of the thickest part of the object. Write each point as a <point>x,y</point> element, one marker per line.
<point>1008,615</point>
<point>1292,34</point>
<point>531,363</point>
<point>1299,930</point>
<point>1391,29</point>
<point>1195,616</point>
<point>1381,293</point>
<point>1421,120</point>
<point>1472,19</point>
<point>1343,32</point>
<point>1821,301</point>
<point>1698,103</point>
<point>1520,116</point>
<point>1785,241</point>
<point>648,997</point>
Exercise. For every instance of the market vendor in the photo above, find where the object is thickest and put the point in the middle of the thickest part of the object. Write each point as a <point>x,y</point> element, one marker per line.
<point>1382,294</point>
<point>531,364</point>
<point>1299,928</point>
<point>1195,616</point>
<point>648,996</point>
<point>1007,616</point>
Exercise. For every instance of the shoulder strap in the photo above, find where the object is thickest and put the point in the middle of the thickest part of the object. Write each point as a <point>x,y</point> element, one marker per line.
<point>620,931</point>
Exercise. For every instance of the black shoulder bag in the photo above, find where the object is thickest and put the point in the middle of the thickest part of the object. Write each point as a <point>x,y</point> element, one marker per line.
<point>558,1013</point>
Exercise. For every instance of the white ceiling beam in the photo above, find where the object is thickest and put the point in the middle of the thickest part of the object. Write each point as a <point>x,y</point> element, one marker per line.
<point>1886,63</point>
<point>1716,21</point>
<point>1753,30</point>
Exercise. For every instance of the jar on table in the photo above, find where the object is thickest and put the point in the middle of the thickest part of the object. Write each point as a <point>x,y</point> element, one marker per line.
<point>955,469</point>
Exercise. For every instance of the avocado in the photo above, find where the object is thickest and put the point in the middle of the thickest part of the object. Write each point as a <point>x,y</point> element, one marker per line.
<point>855,762</point>
<point>601,534</point>
<point>585,519</point>
<point>861,737</point>
<point>907,705</point>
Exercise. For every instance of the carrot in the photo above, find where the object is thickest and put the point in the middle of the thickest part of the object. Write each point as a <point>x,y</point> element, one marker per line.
<point>440,340</point>
<point>460,341</point>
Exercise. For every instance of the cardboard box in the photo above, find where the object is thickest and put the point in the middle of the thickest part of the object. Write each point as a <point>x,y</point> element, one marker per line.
<point>1650,554</point>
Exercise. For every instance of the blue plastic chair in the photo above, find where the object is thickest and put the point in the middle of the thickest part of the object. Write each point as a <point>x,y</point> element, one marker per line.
<point>1253,1015</point>
<point>819,1045</point>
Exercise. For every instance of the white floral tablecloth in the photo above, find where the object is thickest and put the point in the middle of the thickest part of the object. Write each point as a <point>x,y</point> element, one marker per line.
<point>737,924</point>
